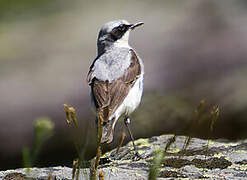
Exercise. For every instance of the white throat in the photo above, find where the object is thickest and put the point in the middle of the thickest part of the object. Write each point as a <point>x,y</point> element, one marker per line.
<point>105,45</point>
<point>123,42</point>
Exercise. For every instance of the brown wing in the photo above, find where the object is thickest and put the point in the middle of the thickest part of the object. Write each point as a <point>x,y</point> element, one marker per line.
<point>108,96</point>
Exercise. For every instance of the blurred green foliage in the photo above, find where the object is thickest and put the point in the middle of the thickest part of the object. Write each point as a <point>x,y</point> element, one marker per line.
<point>158,157</point>
<point>43,129</point>
<point>156,164</point>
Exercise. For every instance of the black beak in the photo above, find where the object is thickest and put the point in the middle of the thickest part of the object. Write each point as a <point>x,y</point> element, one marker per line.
<point>133,26</point>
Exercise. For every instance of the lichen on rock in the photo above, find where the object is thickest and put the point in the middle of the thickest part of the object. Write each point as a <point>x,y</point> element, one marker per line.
<point>221,159</point>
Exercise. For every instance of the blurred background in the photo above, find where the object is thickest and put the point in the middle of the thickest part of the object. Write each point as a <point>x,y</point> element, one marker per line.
<point>192,50</point>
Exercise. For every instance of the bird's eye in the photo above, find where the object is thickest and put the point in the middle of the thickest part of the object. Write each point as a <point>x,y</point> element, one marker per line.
<point>122,27</point>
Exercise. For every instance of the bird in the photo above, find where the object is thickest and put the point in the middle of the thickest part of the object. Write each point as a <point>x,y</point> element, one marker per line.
<point>115,77</point>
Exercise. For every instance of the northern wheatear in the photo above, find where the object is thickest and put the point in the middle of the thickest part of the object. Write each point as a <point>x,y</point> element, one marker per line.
<point>115,77</point>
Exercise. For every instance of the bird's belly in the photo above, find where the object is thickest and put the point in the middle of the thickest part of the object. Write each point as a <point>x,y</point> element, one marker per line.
<point>133,99</point>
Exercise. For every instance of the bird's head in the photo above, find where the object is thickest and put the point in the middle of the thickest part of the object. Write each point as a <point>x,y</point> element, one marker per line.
<point>115,32</point>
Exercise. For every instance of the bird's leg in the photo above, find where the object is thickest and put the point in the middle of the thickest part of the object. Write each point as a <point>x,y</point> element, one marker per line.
<point>127,123</point>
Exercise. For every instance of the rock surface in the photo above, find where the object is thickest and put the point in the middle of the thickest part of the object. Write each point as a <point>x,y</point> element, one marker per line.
<point>202,159</point>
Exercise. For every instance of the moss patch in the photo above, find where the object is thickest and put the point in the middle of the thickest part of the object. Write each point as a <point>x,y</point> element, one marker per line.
<point>16,176</point>
<point>192,152</point>
<point>171,174</point>
<point>176,162</point>
<point>211,163</point>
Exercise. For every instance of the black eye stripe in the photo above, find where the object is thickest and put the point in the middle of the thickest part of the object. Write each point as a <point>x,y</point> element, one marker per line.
<point>122,27</point>
<point>116,34</point>
<point>119,31</point>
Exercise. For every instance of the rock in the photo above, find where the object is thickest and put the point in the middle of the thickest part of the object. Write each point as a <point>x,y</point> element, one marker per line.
<point>203,159</point>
